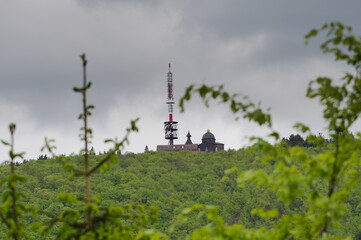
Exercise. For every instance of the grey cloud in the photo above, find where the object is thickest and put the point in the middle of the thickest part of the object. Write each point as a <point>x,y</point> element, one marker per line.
<point>235,18</point>
<point>253,47</point>
<point>110,3</point>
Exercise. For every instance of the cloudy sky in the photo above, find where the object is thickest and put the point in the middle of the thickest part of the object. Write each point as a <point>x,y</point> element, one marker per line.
<point>255,48</point>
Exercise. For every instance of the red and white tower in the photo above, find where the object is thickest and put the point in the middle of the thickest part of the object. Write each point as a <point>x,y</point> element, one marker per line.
<point>170,127</point>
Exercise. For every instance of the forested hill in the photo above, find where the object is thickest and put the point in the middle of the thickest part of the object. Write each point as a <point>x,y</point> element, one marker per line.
<point>171,181</point>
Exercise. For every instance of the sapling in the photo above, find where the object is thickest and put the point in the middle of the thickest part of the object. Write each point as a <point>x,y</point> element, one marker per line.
<point>94,221</point>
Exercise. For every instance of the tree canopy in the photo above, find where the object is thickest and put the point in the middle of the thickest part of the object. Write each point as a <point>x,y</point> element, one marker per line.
<point>286,191</point>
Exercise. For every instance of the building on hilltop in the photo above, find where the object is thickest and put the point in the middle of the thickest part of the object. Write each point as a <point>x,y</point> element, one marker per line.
<point>189,141</point>
<point>208,144</point>
<point>179,147</point>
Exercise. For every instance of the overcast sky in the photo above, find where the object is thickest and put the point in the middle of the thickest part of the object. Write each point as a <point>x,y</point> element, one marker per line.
<point>255,48</point>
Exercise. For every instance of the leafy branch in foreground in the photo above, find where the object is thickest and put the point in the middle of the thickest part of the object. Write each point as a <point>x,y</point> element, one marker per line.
<point>94,221</point>
<point>342,104</point>
<point>250,111</point>
<point>244,108</point>
<point>12,208</point>
<point>324,180</point>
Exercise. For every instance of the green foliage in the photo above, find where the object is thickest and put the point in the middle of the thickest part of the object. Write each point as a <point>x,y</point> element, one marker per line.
<point>324,180</point>
<point>87,218</point>
<point>12,208</point>
<point>250,111</point>
<point>287,192</point>
<point>170,181</point>
<point>82,216</point>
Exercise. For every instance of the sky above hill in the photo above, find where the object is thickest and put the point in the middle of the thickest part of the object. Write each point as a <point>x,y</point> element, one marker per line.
<point>254,48</point>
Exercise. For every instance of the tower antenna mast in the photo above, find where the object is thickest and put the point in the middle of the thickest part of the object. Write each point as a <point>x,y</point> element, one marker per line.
<point>170,126</point>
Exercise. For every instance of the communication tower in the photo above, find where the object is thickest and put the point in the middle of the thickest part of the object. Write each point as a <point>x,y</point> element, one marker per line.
<point>170,127</point>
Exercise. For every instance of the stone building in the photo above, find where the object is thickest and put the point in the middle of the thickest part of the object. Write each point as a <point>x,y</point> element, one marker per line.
<point>208,144</point>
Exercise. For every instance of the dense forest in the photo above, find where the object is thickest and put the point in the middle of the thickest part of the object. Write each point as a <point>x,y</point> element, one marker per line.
<point>171,181</point>
<point>295,188</point>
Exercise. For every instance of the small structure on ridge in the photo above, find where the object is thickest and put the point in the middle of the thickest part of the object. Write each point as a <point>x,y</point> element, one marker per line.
<point>208,144</point>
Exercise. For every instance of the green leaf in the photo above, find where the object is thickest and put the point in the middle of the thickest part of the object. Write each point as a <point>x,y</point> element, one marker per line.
<point>312,33</point>
<point>273,213</point>
<point>275,135</point>
<point>225,97</point>
<point>133,125</point>
<point>66,197</point>
<point>187,95</point>
<point>88,85</point>
<point>76,89</point>
<point>203,91</point>
<point>215,94</point>
<point>301,127</point>
<point>231,170</point>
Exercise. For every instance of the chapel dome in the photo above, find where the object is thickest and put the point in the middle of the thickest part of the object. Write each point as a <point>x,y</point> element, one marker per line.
<point>208,135</point>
